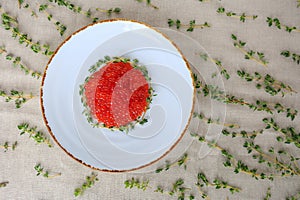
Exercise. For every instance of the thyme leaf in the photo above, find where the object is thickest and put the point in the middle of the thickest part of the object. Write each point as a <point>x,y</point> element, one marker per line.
<point>4,184</point>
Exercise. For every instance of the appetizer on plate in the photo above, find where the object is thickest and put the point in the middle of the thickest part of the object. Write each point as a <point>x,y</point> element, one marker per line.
<point>117,94</point>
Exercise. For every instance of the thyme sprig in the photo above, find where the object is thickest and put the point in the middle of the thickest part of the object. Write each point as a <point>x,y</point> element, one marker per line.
<point>178,190</point>
<point>17,62</point>
<point>209,120</point>
<point>87,112</point>
<point>269,83</point>
<point>219,95</point>
<point>295,57</point>
<point>110,11</point>
<point>257,56</point>
<point>134,182</point>
<point>182,161</point>
<point>275,21</point>
<point>242,17</point>
<point>28,7</point>
<point>216,183</point>
<point>40,171</point>
<point>86,13</point>
<point>268,194</point>
<point>231,162</point>
<point>61,28</point>
<point>17,96</point>
<point>89,182</point>
<point>289,134</point>
<point>217,62</point>
<point>4,184</point>
<point>6,146</point>
<point>272,162</point>
<point>149,3</point>
<point>295,196</point>
<point>242,133</point>
<point>37,136</point>
<point>286,156</point>
<point>190,27</point>
<point>10,23</point>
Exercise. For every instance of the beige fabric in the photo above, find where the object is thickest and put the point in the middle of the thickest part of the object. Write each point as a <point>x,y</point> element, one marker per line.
<point>17,166</point>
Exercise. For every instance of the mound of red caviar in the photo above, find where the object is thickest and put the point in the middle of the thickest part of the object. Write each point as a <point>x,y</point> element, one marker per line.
<point>117,94</point>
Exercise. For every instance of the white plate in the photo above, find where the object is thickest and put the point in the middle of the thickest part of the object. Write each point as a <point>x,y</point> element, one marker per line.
<point>169,113</point>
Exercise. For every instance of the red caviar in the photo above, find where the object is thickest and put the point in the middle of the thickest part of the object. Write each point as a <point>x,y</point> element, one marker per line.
<point>117,94</point>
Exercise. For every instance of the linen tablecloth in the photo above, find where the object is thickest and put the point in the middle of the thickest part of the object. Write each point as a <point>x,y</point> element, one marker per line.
<point>17,166</point>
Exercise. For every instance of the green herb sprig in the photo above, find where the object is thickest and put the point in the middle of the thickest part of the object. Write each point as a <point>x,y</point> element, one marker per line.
<point>40,171</point>
<point>190,27</point>
<point>242,133</point>
<point>286,156</point>
<point>61,28</point>
<point>257,56</point>
<point>89,182</point>
<point>178,190</point>
<point>276,22</point>
<point>6,146</point>
<point>217,183</point>
<point>4,184</point>
<point>219,64</point>
<point>149,3</point>
<point>17,62</point>
<point>209,120</point>
<point>86,13</point>
<point>110,11</point>
<point>269,83</point>
<point>268,194</point>
<point>298,3</point>
<point>231,162</point>
<point>219,95</point>
<point>295,196</point>
<point>182,161</point>
<point>10,23</point>
<point>242,17</point>
<point>17,96</point>
<point>295,57</point>
<point>289,134</point>
<point>37,136</point>
<point>133,182</point>
<point>285,169</point>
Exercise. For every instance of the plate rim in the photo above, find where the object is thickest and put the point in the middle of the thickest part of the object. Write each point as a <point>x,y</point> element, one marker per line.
<point>42,101</point>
